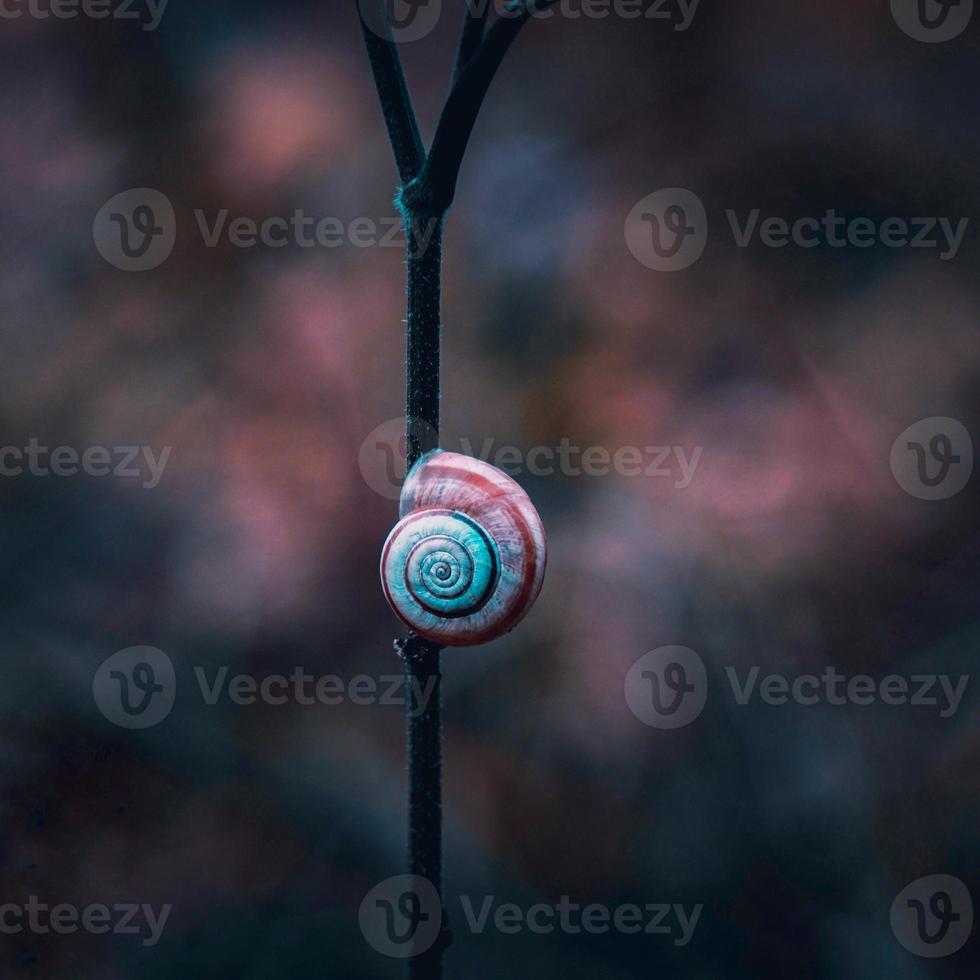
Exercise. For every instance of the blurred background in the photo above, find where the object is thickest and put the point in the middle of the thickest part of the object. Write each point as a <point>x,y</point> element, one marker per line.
<point>793,547</point>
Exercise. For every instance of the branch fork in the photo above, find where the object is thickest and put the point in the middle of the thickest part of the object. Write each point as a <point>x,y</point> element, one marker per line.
<point>428,187</point>
<point>429,179</point>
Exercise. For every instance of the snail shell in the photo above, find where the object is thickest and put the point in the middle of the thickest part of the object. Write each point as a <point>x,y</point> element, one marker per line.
<point>466,561</point>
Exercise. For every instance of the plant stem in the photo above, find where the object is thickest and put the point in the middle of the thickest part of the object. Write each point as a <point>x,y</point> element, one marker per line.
<point>474,24</point>
<point>422,658</point>
<point>423,231</point>
<point>428,186</point>
<point>396,104</point>
<point>458,117</point>
<point>423,720</point>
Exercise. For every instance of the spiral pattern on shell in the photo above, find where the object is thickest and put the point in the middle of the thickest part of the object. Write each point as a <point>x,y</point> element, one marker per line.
<point>466,561</point>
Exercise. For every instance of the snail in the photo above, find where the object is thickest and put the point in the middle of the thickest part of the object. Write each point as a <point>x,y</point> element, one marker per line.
<point>466,561</point>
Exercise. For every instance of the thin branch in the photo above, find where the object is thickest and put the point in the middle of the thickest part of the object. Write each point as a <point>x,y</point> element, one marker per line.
<point>428,187</point>
<point>423,720</point>
<point>436,186</point>
<point>396,103</point>
<point>473,27</point>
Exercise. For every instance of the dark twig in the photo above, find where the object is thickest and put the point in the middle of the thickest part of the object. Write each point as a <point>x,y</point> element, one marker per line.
<point>396,103</point>
<point>441,171</point>
<point>473,27</point>
<point>423,730</point>
<point>422,659</point>
<point>427,191</point>
<point>424,321</point>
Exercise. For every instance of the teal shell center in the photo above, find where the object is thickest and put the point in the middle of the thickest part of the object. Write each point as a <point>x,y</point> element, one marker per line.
<point>451,563</point>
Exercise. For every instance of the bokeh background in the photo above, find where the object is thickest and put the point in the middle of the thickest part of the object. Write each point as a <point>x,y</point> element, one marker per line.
<point>792,549</point>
